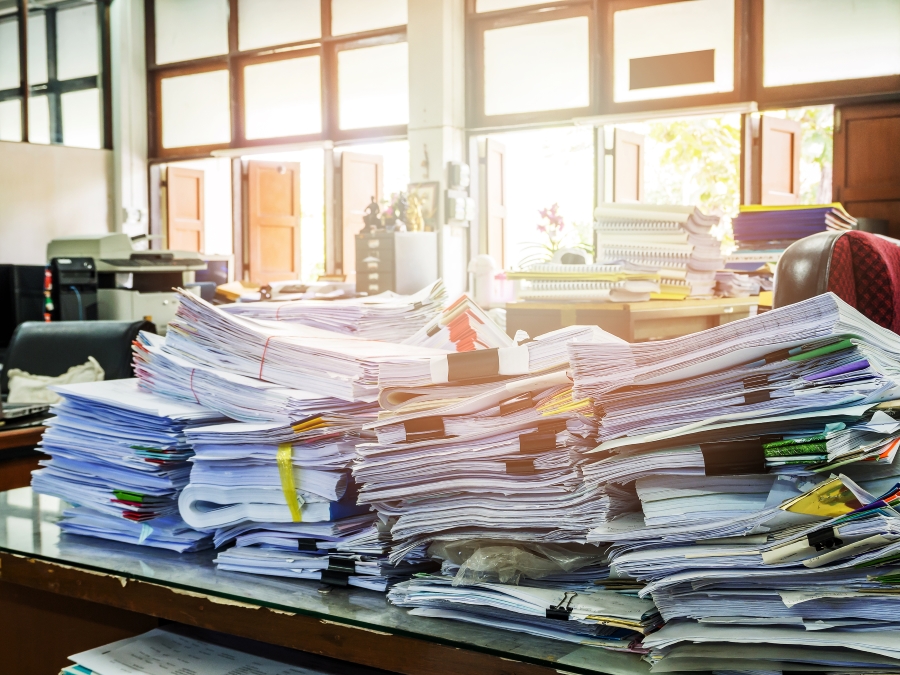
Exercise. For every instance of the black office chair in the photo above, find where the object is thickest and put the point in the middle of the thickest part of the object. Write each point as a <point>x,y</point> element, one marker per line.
<point>52,348</point>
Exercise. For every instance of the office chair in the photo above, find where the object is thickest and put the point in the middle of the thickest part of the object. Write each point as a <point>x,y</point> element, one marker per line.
<point>861,268</point>
<point>52,348</point>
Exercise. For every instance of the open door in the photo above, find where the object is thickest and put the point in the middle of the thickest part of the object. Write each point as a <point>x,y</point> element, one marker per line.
<point>273,222</point>
<point>495,190</point>
<point>779,161</point>
<point>867,162</point>
<point>362,177</point>
<point>628,167</point>
<point>184,209</point>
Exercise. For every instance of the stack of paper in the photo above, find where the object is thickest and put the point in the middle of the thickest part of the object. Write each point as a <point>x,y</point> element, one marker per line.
<point>293,355</point>
<point>174,651</point>
<point>764,457</point>
<point>121,456</point>
<point>593,283</point>
<point>734,285</point>
<point>763,232</point>
<point>674,242</point>
<point>462,327</point>
<point>387,316</point>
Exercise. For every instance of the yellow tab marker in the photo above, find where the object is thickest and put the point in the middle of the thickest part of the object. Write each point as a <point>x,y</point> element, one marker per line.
<point>286,471</point>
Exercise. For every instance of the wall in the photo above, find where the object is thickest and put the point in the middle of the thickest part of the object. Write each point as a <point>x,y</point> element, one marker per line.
<point>49,191</point>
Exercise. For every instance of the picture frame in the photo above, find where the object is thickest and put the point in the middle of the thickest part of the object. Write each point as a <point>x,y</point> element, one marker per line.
<point>428,194</point>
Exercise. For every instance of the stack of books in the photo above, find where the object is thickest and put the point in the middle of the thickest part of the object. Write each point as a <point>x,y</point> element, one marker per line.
<point>674,242</point>
<point>763,232</point>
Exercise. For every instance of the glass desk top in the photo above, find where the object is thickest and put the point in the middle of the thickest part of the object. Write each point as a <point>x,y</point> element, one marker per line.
<point>28,527</point>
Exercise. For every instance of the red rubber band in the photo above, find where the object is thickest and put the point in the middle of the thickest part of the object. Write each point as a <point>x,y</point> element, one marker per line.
<point>192,386</point>
<point>263,359</point>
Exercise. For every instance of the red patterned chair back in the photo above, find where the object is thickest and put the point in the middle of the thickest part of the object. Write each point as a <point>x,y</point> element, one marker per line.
<point>861,268</point>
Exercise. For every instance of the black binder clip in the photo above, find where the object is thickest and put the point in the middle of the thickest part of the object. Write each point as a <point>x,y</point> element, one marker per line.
<point>341,564</point>
<point>340,579</point>
<point>307,545</point>
<point>562,611</point>
<point>824,539</point>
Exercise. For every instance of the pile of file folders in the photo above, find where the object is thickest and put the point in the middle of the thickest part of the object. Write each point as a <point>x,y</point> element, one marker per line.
<point>764,456</point>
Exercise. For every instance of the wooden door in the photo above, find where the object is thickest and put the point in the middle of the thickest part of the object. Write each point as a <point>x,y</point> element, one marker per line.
<point>362,177</point>
<point>779,161</point>
<point>273,222</point>
<point>867,162</point>
<point>628,167</point>
<point>495,190</point>
<point>184,209</point>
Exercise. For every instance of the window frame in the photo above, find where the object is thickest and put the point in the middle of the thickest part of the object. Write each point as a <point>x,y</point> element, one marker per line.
<point>54,88</point>
<point>811,93</point>
<point>326,47</point>
<point>476,26</point>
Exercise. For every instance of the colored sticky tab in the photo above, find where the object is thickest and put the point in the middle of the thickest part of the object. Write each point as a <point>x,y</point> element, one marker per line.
<point>286,471</point>
<point>126,496</point>
<point>829,500</point>
<point>822,351</point>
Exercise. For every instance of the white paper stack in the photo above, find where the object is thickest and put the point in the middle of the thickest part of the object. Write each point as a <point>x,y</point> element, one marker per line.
<point>292,355</point>
<point>764,457</point>
<point>590,283</point>
<point>673,241</point>
<point>120,455</point>
<point>386,316</point>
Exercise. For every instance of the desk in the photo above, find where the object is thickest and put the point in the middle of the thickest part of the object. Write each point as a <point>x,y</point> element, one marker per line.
<point>631,321</point>
<point>17,456</point>
<point>46,576</point>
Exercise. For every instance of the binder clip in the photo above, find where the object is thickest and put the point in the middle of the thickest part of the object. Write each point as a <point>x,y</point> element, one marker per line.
<point>563,609</point>
<point>824,539</point>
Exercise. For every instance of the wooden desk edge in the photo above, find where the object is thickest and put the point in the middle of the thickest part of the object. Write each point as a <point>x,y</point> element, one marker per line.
<point>345,642</point>
<point>20,438</point>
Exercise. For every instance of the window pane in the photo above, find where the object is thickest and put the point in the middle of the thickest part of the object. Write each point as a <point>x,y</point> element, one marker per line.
<point>264,23</point>
<point>9,54</point>
<point>39,120</point>
<point>520,76</point>
<point>356,16</point>
<point>77,54</point>
<point>190,29</point>
<point>11,120</point>
<point>283,98</point>
<point>797,51</point>
<point>37,48</point>
<point>373,86</point>
<point>676,49</point>
<point>195,110</point>
<point>81,118</point>
<point>494,5</point>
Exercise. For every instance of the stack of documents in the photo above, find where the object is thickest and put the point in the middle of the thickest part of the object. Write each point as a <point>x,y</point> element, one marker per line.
<point>462,327</point>
<point>674,242</point>
<point>489,456</point>
<point>121,455</point>
<point>387,316</point>
<point>733,285</point>
<point>593,283</point>
<point>596,617</point>
<point>764,457</point>
<point>763,232</point>
<point>293,355</point>
<point>173,650</point>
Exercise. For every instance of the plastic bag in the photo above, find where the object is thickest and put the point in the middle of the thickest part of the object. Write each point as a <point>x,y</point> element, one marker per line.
<point>27,388</point>
<point>507,562</point>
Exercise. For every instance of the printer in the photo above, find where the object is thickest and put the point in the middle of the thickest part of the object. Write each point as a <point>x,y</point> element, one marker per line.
<point>131,285</point>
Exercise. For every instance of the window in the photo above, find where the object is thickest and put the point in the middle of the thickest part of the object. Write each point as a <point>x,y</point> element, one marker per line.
<point>674,49</point>
<point>518,77</point>
<point>66,52</point>
<point>290,71</point>
<point>195,109</point>
<point>373,86</point>
<point>866,44</point>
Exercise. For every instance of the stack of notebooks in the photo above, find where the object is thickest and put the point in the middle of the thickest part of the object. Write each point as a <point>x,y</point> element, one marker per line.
<point>674,242</point>
<point>763,232</point>
<point>592,283</point>
<point>387,316</point>
<point>120,456</point>
<point>764,457</point>
<point>478,457</point>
